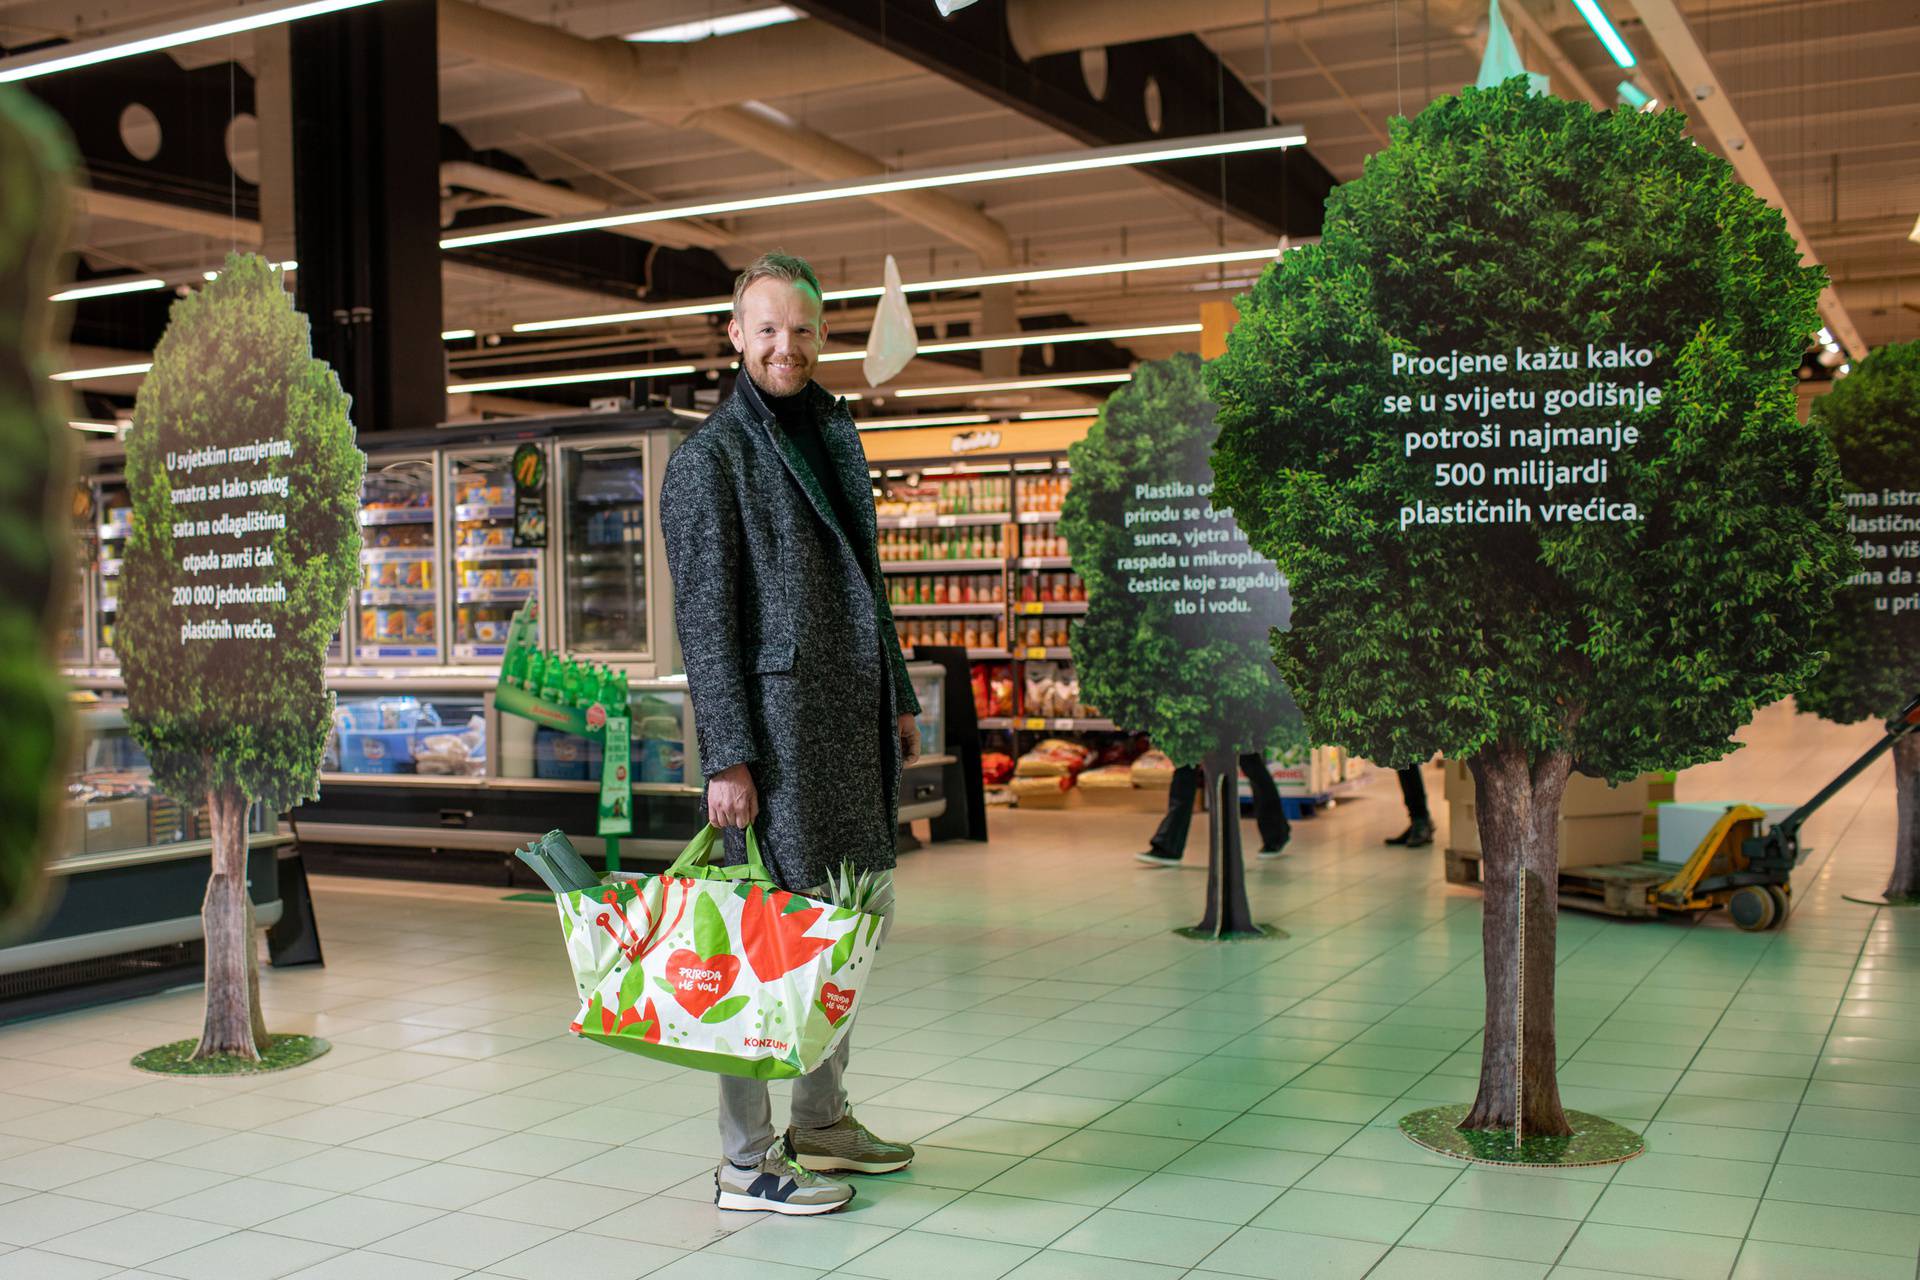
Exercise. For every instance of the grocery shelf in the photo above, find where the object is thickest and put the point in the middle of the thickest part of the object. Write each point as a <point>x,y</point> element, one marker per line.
<point>390,651</point>
<point>397,595</point>
<point>996,722</point>
<point>988,655</point>
<point>480,650</point>
<point>1039,517</point>
<point>493,595</point>
<point>1045,562</point>
<point>496,553</point>
<point>407,555</point>
<point>1036,653</point>
<point>396,515</point>
<point>947,610</point>
<point>1043,608</point>
<point>1038,724</point>
<point>110,568</point>
<point>942,522</point>
<point>478,511</point>
<point>116,532</point>
<point>942,566</point>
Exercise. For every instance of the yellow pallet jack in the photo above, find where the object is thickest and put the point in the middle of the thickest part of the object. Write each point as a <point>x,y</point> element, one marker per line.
<point>1750,871</point>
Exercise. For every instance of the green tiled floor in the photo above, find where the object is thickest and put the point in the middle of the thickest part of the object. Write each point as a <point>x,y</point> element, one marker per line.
<point>1092,1097</point>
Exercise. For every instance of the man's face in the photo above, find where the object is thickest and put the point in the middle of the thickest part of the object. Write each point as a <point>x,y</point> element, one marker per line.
<point>778,331</point>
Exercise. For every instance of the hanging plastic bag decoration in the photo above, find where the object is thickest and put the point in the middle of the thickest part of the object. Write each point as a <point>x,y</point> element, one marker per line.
<point>892,342</point>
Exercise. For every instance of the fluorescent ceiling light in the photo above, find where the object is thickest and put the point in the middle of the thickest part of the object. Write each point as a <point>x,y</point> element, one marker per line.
<point>1603,27</point>
<point>1633,95</point>
<point>571,379</point>
<point>1032,414</point>
<point>1914,235</point>
<point>288,265</point>
<point>935,420</point>
<point>717,306</point>
<point>1213,144</point>
<point>105,371</point>
<point>164,35</point>
<point>107,289</point>
<point>455,335</point>
<point>732,24</point>
<point>1029,340</point>
<point>1018,384</point>
<point>105,428</point>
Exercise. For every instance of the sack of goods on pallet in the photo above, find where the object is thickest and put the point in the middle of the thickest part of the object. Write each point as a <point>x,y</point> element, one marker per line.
<point>1154,771</point>
<point>1045,792</point>
<point>1111,786</point>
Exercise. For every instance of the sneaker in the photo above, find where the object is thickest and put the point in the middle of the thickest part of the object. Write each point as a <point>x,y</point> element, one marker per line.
<point>1273,851</point>
<point>1154,858</point>
<point>847,1147</point>
<point>1416,836</point>
<point>778,1184</point>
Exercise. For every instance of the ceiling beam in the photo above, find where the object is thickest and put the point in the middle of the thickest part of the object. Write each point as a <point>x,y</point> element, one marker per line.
<point>1683,53</point>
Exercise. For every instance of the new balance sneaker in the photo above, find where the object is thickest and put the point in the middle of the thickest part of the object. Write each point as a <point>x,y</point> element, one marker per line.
<point>848,1147</point>
<point>778,1184</point>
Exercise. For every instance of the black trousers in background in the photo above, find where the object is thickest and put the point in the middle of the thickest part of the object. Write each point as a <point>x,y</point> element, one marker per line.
<point>1268,813</point>
<point>1414,791</point>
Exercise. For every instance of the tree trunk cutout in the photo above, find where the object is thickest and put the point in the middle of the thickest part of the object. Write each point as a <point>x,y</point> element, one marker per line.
<point>1905,881</point>
<point>1518,811</point>
<point>1227,911</point>
<point>233,1021</point>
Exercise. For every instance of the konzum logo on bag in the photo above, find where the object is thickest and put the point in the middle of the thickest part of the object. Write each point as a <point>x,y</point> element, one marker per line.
<point>757,1042</point>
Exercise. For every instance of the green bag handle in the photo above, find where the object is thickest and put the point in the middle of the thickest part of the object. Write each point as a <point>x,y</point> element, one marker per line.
<point>698,860</point>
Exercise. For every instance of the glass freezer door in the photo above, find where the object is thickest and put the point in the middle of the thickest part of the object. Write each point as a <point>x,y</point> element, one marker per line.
<point>73,626</point>
<point>606,548</point>
<point>491,577</point>
<point>113,510</point>
<point>396,604</point>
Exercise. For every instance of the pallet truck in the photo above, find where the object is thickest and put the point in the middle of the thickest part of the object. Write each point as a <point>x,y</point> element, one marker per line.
<point>1735,865</point>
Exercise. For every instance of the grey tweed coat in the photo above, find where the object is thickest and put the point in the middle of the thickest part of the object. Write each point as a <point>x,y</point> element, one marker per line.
<point>789,647</point>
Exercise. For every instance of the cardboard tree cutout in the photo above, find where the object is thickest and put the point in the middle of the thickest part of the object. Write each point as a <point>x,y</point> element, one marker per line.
<point>1520,431</point>
<point>245,483</point>
<point>1175,640</point>
<point>35,160</point>
<point>1872,634</point>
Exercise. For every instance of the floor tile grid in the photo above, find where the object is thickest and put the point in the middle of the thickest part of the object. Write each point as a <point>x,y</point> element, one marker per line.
<point>1327,985</point>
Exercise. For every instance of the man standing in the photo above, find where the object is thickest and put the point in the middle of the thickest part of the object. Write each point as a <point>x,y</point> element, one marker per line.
<point>801,699</point>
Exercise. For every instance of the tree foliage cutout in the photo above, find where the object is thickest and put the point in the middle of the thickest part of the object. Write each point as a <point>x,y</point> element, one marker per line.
<point>1499,219</point>
<point>236,721</point>
<point>1873,657</point>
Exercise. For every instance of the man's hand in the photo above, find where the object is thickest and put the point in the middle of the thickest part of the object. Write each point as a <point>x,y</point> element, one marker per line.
<point>732,799</point>
<point>909,741</point>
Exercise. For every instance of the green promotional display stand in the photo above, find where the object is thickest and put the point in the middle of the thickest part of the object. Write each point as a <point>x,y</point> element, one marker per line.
<point>522,692</point>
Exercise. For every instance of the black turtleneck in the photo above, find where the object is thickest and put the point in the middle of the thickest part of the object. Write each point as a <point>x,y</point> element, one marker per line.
<point>795,414</point>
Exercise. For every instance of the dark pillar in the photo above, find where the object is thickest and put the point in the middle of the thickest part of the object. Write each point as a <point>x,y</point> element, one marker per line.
<point>366,169</point>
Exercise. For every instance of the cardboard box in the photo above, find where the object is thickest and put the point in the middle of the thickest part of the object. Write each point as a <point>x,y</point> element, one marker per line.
<point>1585,840</point>
<point>1585,797</point>
<point>120,823</point>
<point>1683,825</point>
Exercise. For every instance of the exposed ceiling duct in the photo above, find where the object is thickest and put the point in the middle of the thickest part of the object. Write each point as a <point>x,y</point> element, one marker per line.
<point>548,198</point>
<point>1041,27</point>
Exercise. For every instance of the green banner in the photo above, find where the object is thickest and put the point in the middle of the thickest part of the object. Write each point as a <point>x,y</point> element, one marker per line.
<point>616,779</point>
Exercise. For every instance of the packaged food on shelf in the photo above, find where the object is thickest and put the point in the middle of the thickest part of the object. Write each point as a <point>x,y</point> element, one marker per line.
<point>1152,769</point>
<point>995,767</point>
<point>446,752</point>
<point>1052,758</point>
<point>1053,692</point>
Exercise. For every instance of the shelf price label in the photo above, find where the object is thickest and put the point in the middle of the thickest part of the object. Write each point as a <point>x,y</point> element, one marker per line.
<point>1035,722</point>
<point>1036,653</point>
<point>1032,606</point>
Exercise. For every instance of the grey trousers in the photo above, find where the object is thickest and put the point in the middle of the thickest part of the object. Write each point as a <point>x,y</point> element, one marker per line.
<point>819,1097</point>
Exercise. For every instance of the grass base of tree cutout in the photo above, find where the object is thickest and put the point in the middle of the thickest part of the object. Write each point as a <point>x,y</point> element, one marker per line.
<point>1872,634</point>
<point>1204,690</point>
<point>36,161</point>
<point>245,483</point>
<point>279,1052</point>
<point>1521,432</point>
<point>1590,1140</point>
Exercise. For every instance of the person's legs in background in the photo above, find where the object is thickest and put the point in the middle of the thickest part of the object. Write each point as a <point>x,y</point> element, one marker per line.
<point>1269,812</point>
<point>1170,841</point>
<point>1413,789</point>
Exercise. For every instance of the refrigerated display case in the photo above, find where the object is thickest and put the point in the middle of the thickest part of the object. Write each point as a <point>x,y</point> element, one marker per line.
<point>396,606</point>
<point>604,547</point>
<point>491,576</point>
<point>71,643</point>
<point>113,509</point>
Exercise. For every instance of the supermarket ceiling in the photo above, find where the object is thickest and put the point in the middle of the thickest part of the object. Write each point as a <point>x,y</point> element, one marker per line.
<point>541,117</point>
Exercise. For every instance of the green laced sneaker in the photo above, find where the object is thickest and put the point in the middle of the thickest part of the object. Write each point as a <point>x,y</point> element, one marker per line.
<point>848,1146</point>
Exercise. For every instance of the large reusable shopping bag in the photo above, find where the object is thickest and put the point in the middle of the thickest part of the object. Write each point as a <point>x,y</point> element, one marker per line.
<point>714,967</point>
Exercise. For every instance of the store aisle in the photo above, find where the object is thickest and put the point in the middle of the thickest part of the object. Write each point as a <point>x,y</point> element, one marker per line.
<point>1091,1095</point>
